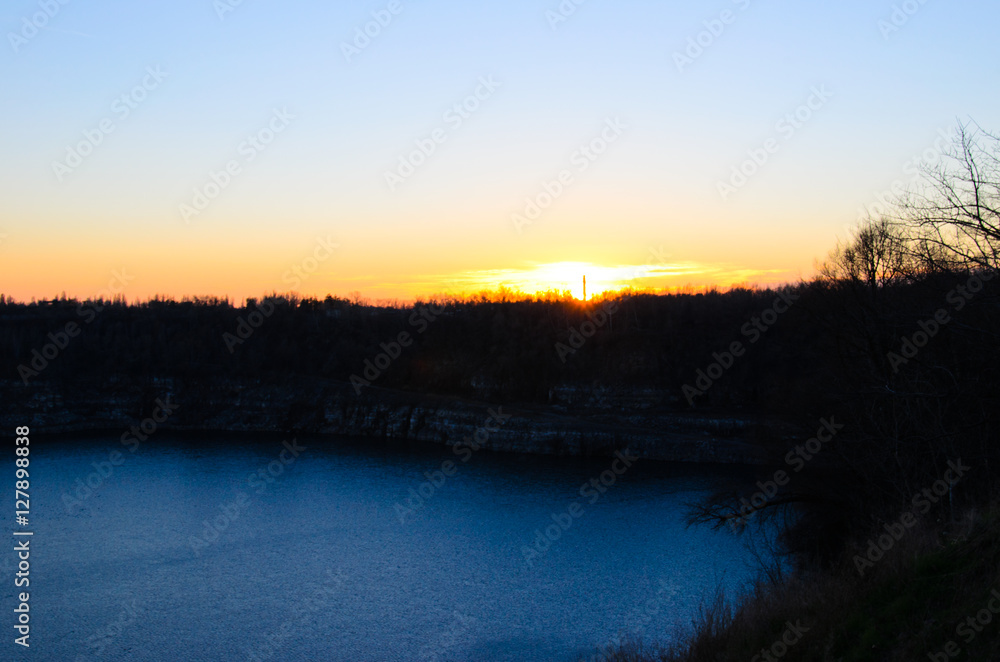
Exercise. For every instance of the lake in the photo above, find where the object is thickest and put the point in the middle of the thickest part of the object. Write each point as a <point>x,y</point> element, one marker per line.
<point>242,547</point>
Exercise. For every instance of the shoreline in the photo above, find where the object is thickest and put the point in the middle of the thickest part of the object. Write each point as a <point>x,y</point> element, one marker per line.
<point>327,407</point>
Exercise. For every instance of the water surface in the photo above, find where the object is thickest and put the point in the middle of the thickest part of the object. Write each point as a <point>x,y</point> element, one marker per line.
<point>313,562</point>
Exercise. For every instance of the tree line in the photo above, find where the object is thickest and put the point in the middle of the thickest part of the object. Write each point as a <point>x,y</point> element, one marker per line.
<point>895,338</point>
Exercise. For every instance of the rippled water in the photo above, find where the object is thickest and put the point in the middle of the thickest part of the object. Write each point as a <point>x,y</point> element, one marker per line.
<point>317,565</point>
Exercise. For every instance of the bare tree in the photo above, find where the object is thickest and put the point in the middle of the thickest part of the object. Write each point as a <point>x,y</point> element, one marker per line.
<point>876,255</point>
<point>957,212</point>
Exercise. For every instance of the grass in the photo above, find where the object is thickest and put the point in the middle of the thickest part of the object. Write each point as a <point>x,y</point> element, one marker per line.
<point>907,607</point>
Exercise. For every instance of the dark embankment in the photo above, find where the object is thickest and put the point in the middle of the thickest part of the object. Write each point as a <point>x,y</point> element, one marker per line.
<point>316,406</point>
<point>889,521</point>
<point>853,394</point>
<point>934,595</point>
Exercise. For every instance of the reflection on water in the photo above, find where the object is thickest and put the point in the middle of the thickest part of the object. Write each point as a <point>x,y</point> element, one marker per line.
<point>248,548</point>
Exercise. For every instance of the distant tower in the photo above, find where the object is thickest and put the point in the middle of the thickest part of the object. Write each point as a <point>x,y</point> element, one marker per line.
<point>584,288</point>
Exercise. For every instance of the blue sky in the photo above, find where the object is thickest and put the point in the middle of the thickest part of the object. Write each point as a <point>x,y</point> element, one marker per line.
<point>658,186</point>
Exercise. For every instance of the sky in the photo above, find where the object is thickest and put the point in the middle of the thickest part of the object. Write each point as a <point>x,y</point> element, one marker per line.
<point>399,149</point>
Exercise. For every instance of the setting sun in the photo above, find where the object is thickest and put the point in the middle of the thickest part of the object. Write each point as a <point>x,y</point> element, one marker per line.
<point>567,276</point>
<point>338,327</point>
<point>563,276</point>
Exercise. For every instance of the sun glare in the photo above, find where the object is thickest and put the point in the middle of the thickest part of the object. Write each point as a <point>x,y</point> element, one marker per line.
<point>562,277</point>
<point>567,278</point>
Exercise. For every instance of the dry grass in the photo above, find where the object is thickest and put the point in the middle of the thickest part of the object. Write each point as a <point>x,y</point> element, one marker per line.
<point>905,607</point>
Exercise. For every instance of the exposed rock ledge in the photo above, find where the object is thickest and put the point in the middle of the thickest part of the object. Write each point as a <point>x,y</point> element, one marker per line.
<point>329,407</point>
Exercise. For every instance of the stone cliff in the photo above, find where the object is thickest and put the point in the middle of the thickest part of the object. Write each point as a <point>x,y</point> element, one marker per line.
<point>579,421</point>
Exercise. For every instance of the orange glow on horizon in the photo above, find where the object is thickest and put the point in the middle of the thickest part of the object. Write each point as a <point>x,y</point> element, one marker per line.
<point>545,280</point>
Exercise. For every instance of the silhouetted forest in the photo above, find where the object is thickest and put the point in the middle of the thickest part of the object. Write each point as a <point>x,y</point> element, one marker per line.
<point>508,351</point>
<point>895,339</point>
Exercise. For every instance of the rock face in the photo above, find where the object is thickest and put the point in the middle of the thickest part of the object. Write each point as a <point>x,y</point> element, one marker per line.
<point>637,422</point>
